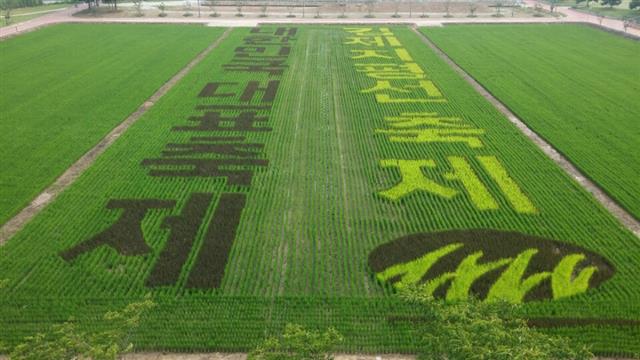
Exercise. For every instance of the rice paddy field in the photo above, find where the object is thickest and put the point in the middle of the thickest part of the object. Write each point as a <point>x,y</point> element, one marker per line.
<point>572,84</point>
<point>304,174</point>
<point>63,88</point>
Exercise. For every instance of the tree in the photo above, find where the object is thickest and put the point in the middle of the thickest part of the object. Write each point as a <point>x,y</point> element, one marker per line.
<point>137,4</point>
<point>343,4</point>
<point>7,5</point>
<point>290,9</point>
<point>486,330</point>
<point>162,7</point>
<point>396,7</point>
<point>68,341</point>
<point>370,4</point>
<point>212,7</point>
<point>581,1</point>
<point>187,9</point>
<point>538,12</point>
<point>634,4</point>
<point>447,8</point>
<point>473,7</point>
<point>423,5</point>
<point>611,3</point>
<point>498,7</point>
<point>297,343</point>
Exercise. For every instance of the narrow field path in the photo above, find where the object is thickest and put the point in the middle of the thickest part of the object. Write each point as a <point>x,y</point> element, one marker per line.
<point>71,174</point>
<point>621,214</point>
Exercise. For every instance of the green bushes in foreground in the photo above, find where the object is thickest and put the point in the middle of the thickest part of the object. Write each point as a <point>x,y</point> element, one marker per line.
<point>474,330</point>
<point>69,341</point>
<point>446,330</point>
<point>466,330</point>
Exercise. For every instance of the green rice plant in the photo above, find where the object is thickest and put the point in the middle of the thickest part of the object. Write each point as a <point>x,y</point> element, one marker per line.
<point>512,286</point>
<point>569,84</point>
<point>66,86</point>
<point>476,330</point>
<point>296,343</point>
<point>565,283</point>
<point>312,217</point>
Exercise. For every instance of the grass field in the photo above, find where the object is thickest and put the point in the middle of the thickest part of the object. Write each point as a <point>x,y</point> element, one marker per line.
<point>621,11</point>
<point>343,117</point>
<point>614,13</point>
<point>63,89</point>
<point>573,85</point>
<point>27,13</point>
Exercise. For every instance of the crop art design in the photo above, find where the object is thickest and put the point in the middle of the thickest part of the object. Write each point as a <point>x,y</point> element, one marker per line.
<point>491,265</point>
<point>216,146</point>
<point>444,157</point>
<point>398,80</point>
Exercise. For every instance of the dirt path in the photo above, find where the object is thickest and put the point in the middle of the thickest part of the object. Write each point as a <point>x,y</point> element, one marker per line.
<point>68,177</point>
<point>621,214</point>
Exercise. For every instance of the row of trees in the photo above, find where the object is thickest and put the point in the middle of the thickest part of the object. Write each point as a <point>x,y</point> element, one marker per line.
<point>12,4</point>
<point>633,4</point>
<point>413,7</point>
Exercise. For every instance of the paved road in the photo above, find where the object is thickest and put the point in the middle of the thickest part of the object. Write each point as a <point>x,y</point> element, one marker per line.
<point>66,16</point>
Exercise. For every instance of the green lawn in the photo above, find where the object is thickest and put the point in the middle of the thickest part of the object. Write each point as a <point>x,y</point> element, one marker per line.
<point>299,251</point>
<point>27,13</point>
<point>615,13</point>
<point>575,86</point>
<point>621,11</point>
<point>63,88</point>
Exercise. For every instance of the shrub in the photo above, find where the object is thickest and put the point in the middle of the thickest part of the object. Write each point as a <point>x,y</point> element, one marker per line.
<point>68,341</point>
<point>297,344</point>
<point>473,330</point>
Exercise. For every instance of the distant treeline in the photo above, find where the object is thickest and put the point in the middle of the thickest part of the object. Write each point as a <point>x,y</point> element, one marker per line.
<point>4,4</point>
<point>13,4</point>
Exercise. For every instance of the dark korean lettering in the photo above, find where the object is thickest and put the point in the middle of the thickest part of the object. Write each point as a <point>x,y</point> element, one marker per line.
<point>214,253</point>
<point>125,235</point>
<point>213,121</point>
<point>183,230</point>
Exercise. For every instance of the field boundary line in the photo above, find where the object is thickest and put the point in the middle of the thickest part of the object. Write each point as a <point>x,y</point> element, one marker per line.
<point>16,223</point>
<point>600,195</point>
<point>610,30</point>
